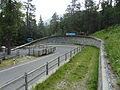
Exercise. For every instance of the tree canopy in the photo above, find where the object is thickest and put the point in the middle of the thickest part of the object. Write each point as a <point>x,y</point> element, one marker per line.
<point>17,20</point>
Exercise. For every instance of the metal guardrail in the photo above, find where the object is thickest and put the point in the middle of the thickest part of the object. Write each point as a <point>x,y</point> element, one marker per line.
<point>24,81</point>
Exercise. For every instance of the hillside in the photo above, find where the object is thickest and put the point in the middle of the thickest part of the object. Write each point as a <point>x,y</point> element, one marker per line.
<point>111,37</point>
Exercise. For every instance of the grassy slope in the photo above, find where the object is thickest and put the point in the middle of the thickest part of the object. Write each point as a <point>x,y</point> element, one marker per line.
<point>111,37</point>
<point>78,74</point>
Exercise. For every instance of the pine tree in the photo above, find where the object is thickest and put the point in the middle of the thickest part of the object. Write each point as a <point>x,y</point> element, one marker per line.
<point>54,23</point>
<point>10,22</point>
<point>41,28</point>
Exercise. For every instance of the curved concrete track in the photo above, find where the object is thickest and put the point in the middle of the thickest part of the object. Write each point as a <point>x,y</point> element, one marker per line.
<point>18,70</point>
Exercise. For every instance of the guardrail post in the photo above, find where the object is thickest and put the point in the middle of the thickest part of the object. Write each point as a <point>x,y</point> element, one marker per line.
<point>26,83</point>
<point>38,53</point>
<point>77,49</point>
<point>3,58</point>
<point>58,61</point>
<point>47,68</point>
<point>18,53</point>
<point>29,50</point>
<point>0,61</point>
<point>33,52</point>
<point>74,51</point>
<point>70,54</point>
<point>42,51</point>
<point>65,56</point>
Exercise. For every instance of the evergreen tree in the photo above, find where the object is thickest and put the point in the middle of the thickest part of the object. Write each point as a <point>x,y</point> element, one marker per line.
<point>10,22</point>
<point>30,18</point>
<point>54,23</point>
<point>41,28</point>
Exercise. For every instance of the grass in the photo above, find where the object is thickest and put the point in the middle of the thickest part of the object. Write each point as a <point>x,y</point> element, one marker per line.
<point>80,73</point>
<point>111,37</point>
<point>9,62</point>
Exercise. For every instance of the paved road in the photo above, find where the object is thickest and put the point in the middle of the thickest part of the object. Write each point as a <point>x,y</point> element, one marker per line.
<point>13,72</point>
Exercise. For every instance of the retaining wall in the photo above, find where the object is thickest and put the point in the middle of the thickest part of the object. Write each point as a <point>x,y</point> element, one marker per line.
<point>103,78</point>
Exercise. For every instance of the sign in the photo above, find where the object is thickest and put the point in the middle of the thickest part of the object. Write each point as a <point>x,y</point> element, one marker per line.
<point>29,39</point>
<point>71,34</point>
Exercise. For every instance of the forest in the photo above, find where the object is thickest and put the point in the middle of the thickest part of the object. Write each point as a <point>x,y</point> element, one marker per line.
<point>17,20</point>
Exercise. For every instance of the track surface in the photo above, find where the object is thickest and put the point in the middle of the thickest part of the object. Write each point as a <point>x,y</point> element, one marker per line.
<point>18,70</point>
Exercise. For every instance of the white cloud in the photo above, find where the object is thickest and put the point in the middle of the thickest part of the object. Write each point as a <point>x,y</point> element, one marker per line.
<point>46,8</point>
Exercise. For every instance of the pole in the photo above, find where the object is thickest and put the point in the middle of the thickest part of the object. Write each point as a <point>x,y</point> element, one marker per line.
<point>26,83</point>
<point>47,68</point>
<point>58,61</point>
<point>65,56</point>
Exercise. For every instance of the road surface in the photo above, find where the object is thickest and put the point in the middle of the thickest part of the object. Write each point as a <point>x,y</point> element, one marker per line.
<point>18,70</point>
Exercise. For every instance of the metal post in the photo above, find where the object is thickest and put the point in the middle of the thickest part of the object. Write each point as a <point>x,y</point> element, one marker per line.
<point>74,51</point>
<point>65,56</point>
<point>77,50</point>
<point>4,56</point>
<point>26,83</point>
<point>38,53</point>
<point>43,51</point>
<point>47,68</point>
<point>33,52</point>
<point>0,61</point>
<point>29,50</point>
<point>58,61</point>
<point>17,53</point>
<point>46,51</point>
<point>70,54</point>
